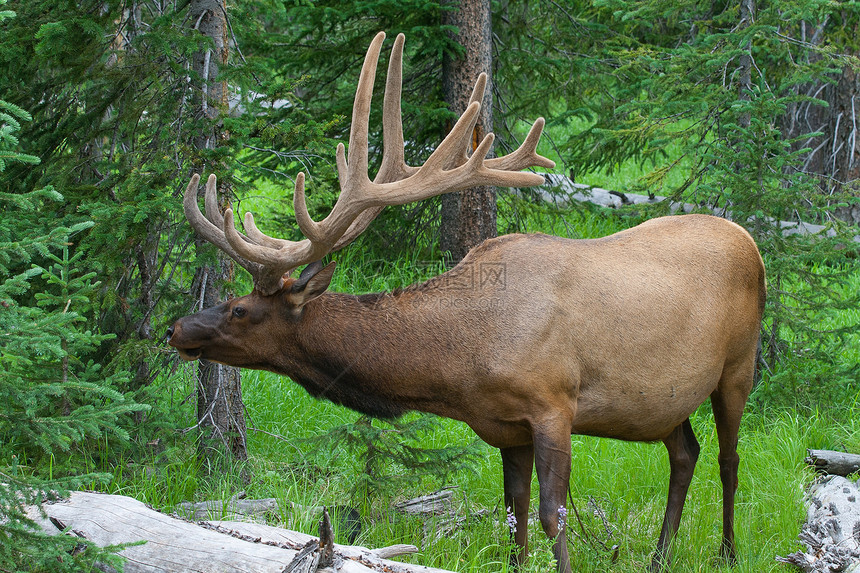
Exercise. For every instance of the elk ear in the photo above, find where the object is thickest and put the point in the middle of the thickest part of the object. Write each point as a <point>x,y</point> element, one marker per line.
<point>312,282</point>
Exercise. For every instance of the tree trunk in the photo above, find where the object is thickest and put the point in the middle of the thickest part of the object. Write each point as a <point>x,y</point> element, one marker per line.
<point>146,253</point>
<point>845,155</point>
<point>835,154</point>
<point>747,17</point>
<point>468,217</point>
<point>220,410</point>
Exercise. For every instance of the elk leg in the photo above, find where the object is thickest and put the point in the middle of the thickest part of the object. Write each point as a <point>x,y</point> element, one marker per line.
<point>517,464</point>
<point>683,451</point>
<point>552,461</point>
<point>728,404</point>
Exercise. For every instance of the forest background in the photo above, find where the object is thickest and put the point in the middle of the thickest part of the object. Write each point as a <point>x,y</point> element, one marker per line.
<point>107,107</point>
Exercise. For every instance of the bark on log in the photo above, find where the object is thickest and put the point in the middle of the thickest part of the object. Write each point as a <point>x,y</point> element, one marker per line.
<point>175,545</point>
<point>431,504</point>
<point>832,529</point>
<point>252,508</point>
<point>831,462</point>
<point>268,510</point>
<point>442,519</point>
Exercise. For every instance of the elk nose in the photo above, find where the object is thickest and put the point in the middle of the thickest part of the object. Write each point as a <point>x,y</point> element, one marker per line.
<point>169,332</point>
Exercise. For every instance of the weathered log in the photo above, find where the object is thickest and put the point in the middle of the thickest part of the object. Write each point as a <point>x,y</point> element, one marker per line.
<point>832,462</point>
<point>435,503</point>
<point>831,532</point>
<point>560,189</point>
<point>442,519</point>
<point>180,546</point>
<point>266,510</point>
<point>257,531</point>
<point>253,508</point>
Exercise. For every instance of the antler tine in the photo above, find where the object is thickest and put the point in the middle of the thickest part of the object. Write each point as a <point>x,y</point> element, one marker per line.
<point>358,132</point>
<point>480,87</point>
<point>308,226</point>
<point>204,225</point>
<point>213,214</point>
<point>432,180</point>
<point>258,237</point>
<point>526,154</point>
<point>393,166</point>
<point>477,96</point>
<point>457,139</point>
<point>210,202</point>
<point>266,256</point>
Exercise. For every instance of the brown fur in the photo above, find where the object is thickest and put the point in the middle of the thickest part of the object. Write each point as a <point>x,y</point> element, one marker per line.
<point>532,338</point>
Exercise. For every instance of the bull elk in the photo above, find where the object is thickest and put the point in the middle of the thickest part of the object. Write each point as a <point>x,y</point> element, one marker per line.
<point>620,337</point>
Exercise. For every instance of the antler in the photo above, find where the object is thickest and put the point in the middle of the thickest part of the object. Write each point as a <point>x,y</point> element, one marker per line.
<point>449,168</point>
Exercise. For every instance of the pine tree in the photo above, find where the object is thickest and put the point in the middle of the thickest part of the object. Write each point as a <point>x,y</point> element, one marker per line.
<point>389,456</point>
<point>220,410</point>
<point>125,148</point>
<point>52,402</point>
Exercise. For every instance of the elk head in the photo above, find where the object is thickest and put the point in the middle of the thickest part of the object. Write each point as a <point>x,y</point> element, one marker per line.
<point>220,333</point>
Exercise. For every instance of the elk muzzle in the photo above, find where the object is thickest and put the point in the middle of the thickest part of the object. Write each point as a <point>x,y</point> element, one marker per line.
<point>186,348</point>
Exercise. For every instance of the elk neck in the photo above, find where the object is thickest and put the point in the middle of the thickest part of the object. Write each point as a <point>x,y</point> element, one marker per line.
<point>360,351</point>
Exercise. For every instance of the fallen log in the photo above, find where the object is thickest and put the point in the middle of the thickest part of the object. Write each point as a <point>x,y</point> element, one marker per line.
<point>441,518</point>
<point>435,503</point>
<point>230,510</point>
<point>831,532</point>
<point>179,546</point>
<point>832,462</point>
<point>267,510</point>
<point>559,189</point>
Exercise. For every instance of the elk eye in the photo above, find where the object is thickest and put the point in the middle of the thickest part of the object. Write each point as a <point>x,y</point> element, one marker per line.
<point>239,311</point>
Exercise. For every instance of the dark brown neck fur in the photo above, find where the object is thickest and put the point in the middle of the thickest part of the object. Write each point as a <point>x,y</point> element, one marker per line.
<point>354,351</point>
